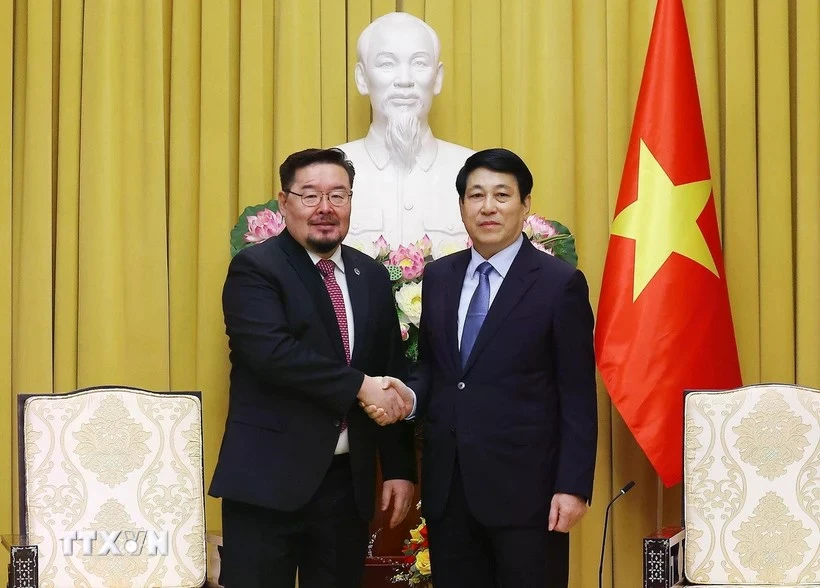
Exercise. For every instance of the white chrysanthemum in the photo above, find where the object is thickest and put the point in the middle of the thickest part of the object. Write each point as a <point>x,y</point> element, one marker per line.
<point>408,298</point>
<point>448,246</point>
<point>366,247</point>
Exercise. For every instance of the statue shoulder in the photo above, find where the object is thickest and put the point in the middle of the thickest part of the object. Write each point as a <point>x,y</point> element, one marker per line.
<point>353,148</point>
<point>452,156</point>
<point>454,150</point>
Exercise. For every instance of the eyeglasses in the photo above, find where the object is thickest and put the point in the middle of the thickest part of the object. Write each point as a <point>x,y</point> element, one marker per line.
<point>312,198</point>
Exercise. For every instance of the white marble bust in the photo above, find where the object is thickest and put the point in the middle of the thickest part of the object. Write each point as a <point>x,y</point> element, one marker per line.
<point>405,177</point>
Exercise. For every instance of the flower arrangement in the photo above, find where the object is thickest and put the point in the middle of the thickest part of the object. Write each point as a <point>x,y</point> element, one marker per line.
<point>256,224</point>
<point>417,558</point>
<point>405,264</point>
<point>551,237</point>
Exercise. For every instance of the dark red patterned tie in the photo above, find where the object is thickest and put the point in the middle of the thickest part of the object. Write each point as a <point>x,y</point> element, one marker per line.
<point>326,268</point>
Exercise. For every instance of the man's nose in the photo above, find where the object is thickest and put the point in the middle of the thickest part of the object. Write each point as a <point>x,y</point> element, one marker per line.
<point>324,203</point>
<point>488,204</point>
<point>404,78</point>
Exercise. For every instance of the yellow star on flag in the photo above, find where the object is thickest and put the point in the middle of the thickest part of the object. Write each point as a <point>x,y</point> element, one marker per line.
<point>663,220</point>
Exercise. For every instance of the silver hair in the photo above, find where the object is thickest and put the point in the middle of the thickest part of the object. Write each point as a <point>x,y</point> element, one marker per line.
<point>398,18</point>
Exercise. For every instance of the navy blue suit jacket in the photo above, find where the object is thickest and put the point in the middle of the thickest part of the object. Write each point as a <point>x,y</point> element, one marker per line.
<point>522,414</point>
<point>290,385</point>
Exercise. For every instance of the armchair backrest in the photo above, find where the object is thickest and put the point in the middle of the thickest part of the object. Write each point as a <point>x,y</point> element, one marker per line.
<point>752,485</point>
<point>120,469</point>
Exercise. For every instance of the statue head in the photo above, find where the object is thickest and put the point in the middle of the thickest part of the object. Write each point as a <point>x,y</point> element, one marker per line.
<point>399,69</point>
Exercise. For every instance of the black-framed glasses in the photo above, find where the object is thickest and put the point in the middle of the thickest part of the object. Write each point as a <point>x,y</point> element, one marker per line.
<point>312,198</point>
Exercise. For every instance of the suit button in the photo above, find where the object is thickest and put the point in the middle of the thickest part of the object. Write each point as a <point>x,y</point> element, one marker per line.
<point>461,385</point>
<point>452,432</point>
<point>337,423</point>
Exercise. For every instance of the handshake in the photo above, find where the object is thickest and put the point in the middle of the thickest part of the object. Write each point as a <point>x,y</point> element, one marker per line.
<point>385,399</point>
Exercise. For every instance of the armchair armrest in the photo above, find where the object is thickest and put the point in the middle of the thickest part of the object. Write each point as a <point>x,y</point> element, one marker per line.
<point>23,571</point>
<point>663,558</point>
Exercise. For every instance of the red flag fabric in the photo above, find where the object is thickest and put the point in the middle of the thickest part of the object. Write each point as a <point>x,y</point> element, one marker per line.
<point>664,322</point>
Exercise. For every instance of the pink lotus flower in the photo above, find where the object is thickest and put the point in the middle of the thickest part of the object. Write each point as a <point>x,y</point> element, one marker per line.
<point>425,245</point>
<point>539,226</point>
<point>382,247</point>
<point>410,259</point>
<point>264,225</point>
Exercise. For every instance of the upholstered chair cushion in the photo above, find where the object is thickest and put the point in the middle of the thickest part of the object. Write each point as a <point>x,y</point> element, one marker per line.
<point>752,486</point>
<point>110,460</point>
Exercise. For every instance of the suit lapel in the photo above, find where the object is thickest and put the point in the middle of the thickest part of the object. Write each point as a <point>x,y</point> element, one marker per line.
<point>452,297</point>
<point>312,279</point>
<point>357,288</point>
<point>515,286</point>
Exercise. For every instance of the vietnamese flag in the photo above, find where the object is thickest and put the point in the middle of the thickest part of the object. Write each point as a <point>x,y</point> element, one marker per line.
<point>664,322</point>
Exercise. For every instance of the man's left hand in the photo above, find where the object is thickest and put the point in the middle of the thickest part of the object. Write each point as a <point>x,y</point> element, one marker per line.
<point>565,511</point>
<point>401,493</point>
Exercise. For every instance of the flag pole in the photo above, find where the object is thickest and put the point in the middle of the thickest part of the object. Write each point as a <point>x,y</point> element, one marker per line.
<point>659,502</point>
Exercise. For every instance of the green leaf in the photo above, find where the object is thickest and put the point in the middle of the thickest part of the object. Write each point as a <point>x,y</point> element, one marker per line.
<point>411,350</point>
<point>562,244</point>
<point>562,229</point>
<point>238,242</point>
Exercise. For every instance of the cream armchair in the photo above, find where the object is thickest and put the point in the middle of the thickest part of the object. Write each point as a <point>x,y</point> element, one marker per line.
<point>751,490</point>
<point>111,490</point>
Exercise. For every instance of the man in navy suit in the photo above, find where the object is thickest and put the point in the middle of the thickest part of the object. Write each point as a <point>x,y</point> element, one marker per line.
<point>307,319</point>
<point>506,387</point>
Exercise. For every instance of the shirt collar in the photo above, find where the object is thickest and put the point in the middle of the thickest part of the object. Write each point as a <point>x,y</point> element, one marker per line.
<point>335,258</point>
<point>376,149</point>
<point>501,261</point>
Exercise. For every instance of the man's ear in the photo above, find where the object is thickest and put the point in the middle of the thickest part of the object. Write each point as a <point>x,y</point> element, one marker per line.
<point>439,79</point>
<point>527,203</point>
<point>282,199</point>
<point>361,79</point>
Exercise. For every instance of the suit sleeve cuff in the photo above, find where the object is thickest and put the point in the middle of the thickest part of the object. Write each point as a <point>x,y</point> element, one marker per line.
<point>412,414</point>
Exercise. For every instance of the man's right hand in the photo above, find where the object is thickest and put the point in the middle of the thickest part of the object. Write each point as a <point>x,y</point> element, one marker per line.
<point>384,400</point>
<point>381,416</point>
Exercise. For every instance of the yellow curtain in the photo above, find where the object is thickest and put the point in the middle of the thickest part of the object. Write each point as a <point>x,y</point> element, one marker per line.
<point>132,133</point>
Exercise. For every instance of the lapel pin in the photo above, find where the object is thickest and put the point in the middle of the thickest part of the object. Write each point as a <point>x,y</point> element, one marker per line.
<point>356,271</point>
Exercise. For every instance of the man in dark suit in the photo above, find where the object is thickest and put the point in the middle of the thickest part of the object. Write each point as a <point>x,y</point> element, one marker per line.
<point>307,319</point>
<point>506,384</point>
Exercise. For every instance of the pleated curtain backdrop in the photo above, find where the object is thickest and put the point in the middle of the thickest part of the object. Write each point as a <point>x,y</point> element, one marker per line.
<point>133,132</point>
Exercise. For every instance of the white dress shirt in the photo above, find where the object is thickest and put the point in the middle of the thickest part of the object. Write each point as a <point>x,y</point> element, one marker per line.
<point>342,446</point>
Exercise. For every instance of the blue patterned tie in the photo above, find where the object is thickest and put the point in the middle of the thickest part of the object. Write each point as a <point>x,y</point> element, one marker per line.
<point>479,305</point>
